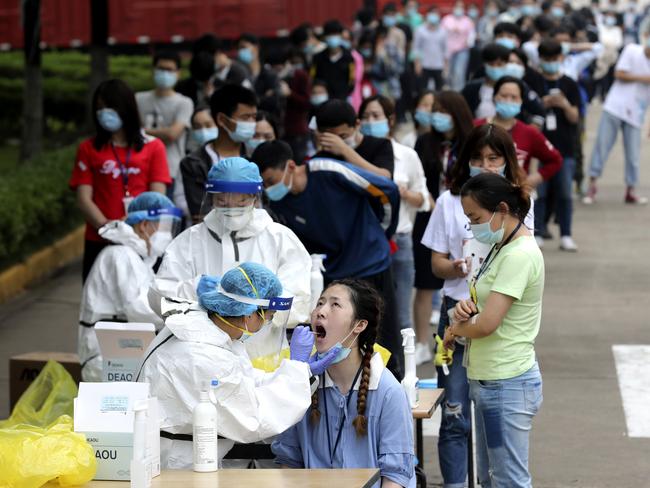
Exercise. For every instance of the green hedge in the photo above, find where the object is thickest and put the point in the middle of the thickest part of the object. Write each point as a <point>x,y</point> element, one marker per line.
<point>36,205</point>
<point>65,87</point>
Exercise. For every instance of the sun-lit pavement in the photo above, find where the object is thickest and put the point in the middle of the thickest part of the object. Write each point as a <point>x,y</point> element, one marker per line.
<point>593,299</point>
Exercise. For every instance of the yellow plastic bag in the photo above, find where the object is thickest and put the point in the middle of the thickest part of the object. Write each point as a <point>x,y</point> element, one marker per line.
<point>270,362</point>
<point>50,395</point>
<point>31,456</point>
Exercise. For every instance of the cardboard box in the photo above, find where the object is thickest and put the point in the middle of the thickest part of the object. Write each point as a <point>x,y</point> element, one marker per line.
<point>24,368</point>
<point>104,413</point>
<point>122,346</point>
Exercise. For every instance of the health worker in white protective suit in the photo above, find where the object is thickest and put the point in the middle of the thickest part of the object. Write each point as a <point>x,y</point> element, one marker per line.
<point>117,285</point>
<point>236,230</point>
<point>205,341</point>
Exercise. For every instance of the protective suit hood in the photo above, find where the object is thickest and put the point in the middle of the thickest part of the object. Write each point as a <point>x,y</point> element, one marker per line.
<point>122,233</point>
<point>196,326</point>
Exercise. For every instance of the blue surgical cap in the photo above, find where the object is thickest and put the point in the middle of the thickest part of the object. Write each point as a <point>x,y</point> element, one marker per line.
<point>236,169</point>
<point>236,281</point>
<point>141,206</point>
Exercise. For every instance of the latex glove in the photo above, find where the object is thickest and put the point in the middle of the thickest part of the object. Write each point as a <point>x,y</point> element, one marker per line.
<point>318,366</point>
<point>302,342</point>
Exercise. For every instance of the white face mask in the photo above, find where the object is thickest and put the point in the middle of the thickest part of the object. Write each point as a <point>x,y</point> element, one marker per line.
<point>351,141</point>
<point>234,219</point>
<point>158,242</point>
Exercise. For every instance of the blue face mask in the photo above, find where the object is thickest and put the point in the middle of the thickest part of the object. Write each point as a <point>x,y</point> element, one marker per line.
<point>529,10</point>
<point>459,11</point>
<point>473,13</point>
<point>164,79</point>
<point>243,131</point>
<point>389,20</point>
<point>557,12</point>
<point>477,170</point>
<point>550,67</point>
<point>318,99</point>
<point>442,122</point>
<point>566,48</point>
<point>507,110</point>
<point>515,70</point>
<point>366,52</point>
<point>423,117</point>
<point>343,353</point>
<point>345,44</point>
<point>245,55</point>
<point>433,18</point>
<point>205,135</point>
<point>252,144</point>
<point>378,128</point>
<point>610,21</point>
<point>494,72</point>
<point>278,191</point>
<point>484,233</point>
<point>506,42</point>
<point>334,42</point>
<point>109,119</point>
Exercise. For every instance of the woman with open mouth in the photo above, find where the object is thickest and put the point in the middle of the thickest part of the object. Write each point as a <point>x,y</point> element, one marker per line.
<point>359,416</point>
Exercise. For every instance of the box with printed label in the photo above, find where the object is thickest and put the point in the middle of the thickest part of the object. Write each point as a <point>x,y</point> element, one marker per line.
<point>122,346</point>
<point>104,413</point>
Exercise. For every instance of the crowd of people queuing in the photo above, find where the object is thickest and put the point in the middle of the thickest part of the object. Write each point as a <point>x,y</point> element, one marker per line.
<point>415,159</point>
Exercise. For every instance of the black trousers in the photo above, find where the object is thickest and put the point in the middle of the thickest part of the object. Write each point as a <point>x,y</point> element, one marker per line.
<point>389,336</point>
<point>91,251</point>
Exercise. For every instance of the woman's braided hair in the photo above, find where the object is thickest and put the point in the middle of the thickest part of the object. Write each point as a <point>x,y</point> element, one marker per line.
<point>368,305</point>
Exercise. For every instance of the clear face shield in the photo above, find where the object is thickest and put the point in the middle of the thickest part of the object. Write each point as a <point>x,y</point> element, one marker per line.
<point>268,346</point>
<point>161,226</point>
<point>228,206</point>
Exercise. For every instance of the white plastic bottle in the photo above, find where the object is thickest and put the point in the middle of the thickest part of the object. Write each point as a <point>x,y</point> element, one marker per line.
<point>204,435</point>
<point>140,464</point>
<point>410,381</point>
<point>316,279</point>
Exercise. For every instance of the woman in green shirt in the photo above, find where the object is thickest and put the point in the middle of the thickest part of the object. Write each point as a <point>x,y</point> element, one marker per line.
<point>502,320</point>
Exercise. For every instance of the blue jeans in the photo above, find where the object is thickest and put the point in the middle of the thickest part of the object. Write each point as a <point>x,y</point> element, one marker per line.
<point>404,277</point>
<point>458,69</point>
<point>455,423</point>
<point>607,133</point>
<point>562,183</point>
<point>504,416</point>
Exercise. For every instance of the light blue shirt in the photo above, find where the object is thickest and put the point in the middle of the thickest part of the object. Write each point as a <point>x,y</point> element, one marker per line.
<point>388,444</point>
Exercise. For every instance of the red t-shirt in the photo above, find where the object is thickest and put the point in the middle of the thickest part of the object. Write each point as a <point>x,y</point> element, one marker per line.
<point>531,143</point>
<point>100,170</point>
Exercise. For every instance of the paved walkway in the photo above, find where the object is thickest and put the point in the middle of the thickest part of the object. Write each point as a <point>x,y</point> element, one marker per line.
<point>593,300</point>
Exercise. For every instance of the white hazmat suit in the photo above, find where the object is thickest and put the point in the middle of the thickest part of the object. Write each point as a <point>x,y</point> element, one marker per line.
<point>115,290</point>
<point>251,405</point>
<point>206,249</point>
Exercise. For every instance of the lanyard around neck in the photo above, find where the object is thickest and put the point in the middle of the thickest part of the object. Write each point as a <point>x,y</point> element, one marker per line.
<point>332,451</point>
<point>498,247</point>
<point>123,167</point>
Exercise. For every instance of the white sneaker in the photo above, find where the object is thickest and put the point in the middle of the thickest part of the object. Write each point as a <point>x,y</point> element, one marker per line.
<point>540,241</point>
<point>435,317</point>
<point>567,244</point>
<point>423,353</point>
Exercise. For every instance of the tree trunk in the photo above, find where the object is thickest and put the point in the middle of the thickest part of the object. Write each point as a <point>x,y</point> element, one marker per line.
<point>98,50</point>
<point>32,140</point>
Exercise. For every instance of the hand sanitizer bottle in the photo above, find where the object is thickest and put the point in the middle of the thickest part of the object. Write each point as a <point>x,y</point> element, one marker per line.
<point>205,432</point>
<point>410,381</point>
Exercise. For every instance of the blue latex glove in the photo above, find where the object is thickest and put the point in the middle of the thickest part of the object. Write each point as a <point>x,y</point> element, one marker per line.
<point>318,366</point>
<point>302,342</point>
